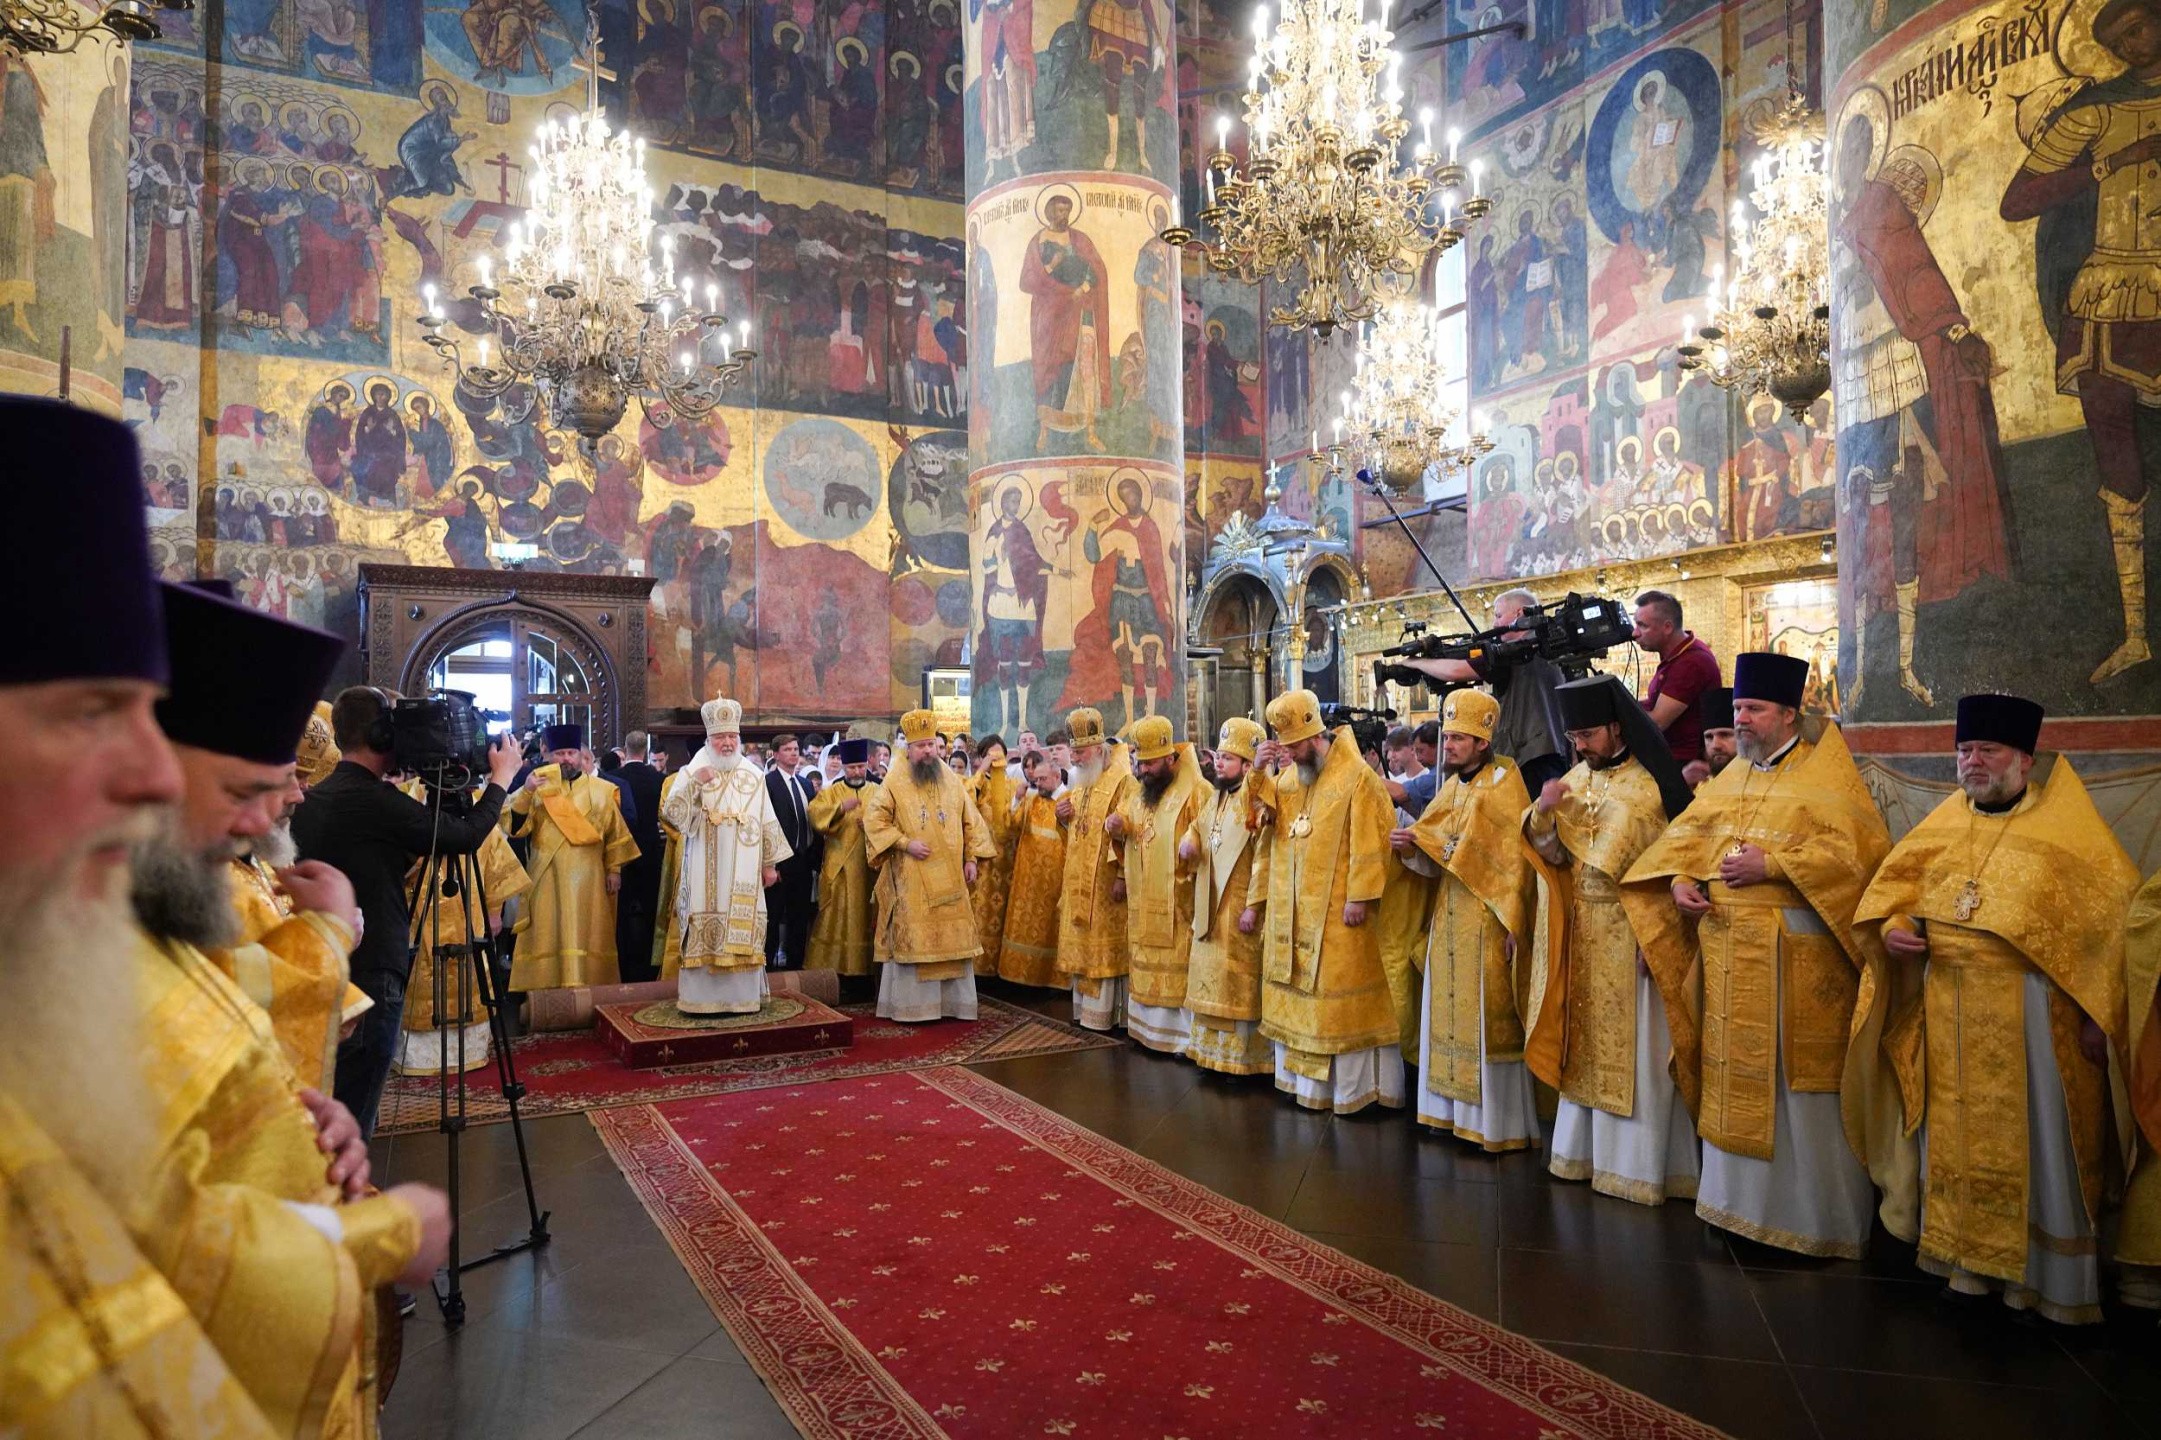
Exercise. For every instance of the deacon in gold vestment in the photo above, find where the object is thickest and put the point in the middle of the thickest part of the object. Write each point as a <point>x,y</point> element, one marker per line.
<point>1599,1033</point>
<point>840,936</point>
<point>1324,996</point>
<point>2010,900</point>
<point>1028,951</point>
<point>579,846</point>
<point>1092,946</point>
<point>926,841</point>
<point>285,958</point>
<point>1769,861</point>
<point>276,1253</point>
<point>1470,1036</point>
<point>992,789</point>
<point>724,851</point>
<point>1223,975</point>
<point>1162,802</point>
<point>432,1044</point>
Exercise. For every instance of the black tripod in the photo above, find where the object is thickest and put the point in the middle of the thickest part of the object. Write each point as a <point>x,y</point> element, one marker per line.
<point>457,879</point>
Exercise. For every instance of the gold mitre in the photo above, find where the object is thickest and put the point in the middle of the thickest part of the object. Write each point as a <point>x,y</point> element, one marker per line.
<point>722,716</point>
<point>1152,738</point>
<point>1295,715</point>
<point>1241,737</point>
<point>918,725</point>
<point>319,753</point>
<point>1085,726</point>
<point>1470,712</point>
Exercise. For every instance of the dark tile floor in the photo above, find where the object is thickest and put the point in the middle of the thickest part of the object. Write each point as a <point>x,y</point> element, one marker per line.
<point>603,1335</point>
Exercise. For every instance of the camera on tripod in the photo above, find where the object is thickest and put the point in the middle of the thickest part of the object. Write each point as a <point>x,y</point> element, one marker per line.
<point>1571,633</point>
<point>441,737</point>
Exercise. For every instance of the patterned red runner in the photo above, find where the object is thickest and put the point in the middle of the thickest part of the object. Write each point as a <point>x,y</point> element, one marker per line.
<point>568,1071</point>
<point>929,1254</point>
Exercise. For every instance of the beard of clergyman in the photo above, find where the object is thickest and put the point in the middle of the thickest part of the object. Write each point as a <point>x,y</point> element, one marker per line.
<point>1228,783</point>
<point>1309,771</point>
<point>1087,772</point>
<point>73,1066</point>
<point>276,846</point>
<point>1755,751</point>
<point>1154,784</point>
<point>182,894</point>
<point>925,771</point>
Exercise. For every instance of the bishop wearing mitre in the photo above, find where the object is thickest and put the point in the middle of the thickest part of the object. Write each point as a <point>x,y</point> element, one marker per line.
<point>1744,909</point>
<point>1598,1028</point>
<point>1471,1028</point>
<point>840,936</point>
<point>1092,948</point>
<point>1223,974</point>
<point>2010,987</point>
<point>1160,805</point>
<point>924,836</point>
<point>579,846</point>
<point>725,847</point>
<point>1324,995</point>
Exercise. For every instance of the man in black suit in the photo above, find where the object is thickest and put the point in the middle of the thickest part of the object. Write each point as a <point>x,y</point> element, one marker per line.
<point>637,907</point>
<point>788,905</point>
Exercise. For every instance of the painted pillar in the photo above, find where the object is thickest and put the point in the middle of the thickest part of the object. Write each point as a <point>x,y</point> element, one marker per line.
<point>1994,276</point>
<point>63,222</point>
<point>1076,420</point>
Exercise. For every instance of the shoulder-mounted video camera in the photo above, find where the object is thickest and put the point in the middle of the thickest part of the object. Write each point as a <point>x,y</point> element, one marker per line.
<point>1571,633</point>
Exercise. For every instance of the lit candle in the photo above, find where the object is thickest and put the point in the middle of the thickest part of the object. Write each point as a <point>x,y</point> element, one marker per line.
<point>744,330</point>
<point>1425,128</point>
<point>667,313</point>
<point>1316,442</point>
<point>1175,220</point>
<point>1455,138</point>
<point>1223,132</point>
<point>686,362</point>
<point>712,297</point>
<point>487,279</point>
<point>483,352</point>
<point>1688,329</point>
<point>1478,178</point>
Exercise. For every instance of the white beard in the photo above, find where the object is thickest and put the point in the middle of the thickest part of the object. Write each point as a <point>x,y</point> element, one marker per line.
<point>1085,775</point>
<point>276,847</point>
<point>1308,773</point>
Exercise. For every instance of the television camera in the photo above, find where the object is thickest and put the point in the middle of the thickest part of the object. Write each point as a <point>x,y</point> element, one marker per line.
<point>1572,633</point>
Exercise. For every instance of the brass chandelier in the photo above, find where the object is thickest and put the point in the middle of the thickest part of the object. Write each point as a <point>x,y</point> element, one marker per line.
<point>597,324</point>
<point>1769,330</point>
<point>55,27</point>
<point>1323,194</point>
<point>1399,425</point>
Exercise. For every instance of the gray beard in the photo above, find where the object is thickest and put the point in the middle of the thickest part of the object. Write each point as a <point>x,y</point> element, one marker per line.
<point>1086,775</point>
<point>925,771</point>
<point>1992,791</point>
<point>277,848</point>
<point>1308,773</point>
<point>1755,751</point>
<point>183,895</point>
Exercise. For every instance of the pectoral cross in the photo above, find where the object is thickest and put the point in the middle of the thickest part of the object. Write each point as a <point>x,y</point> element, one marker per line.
<point>1968,902</point>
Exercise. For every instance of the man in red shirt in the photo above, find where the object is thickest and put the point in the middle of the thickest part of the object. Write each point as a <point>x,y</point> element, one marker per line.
<point>1686,668</point>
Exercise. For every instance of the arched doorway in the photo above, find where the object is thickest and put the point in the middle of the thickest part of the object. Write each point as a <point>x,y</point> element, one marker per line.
<point>522,672</point>
<point>1238,620</point>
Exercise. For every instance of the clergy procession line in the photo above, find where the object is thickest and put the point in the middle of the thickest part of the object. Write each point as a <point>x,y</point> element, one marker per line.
<point>1743,994</point>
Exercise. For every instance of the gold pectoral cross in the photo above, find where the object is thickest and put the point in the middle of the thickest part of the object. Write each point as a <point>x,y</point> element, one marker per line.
<point>1301,827</point>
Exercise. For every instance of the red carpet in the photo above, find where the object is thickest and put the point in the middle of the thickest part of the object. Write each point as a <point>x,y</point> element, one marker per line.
<point>930,1254</point>
<point>572,1071</point>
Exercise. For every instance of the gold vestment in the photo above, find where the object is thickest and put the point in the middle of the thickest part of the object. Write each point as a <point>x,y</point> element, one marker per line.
<point>1159,887</point>
<point>840,936</point>
<point>993,794</point>
<point>1324,992</point>
<point>294,967</point>
<point>2138,1241</point>
<point>1028,951</point>
<point>1091,925</point>
<point>93,1341</point>
<point>1960,1052</point>
<point>1223,976</point>
<point>566,928</point>
<point>503,879</point>
<point>1406,911</point>
<point>1481,915</point>
<point>925,917</point>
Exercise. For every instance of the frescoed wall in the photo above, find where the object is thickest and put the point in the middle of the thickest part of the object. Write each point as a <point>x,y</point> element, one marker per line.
<point>1993,353</point>
<point>807,537</point>
<point>1621,136</point>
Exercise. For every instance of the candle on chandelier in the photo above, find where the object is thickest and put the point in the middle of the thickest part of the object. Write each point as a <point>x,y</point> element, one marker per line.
<point>1425,127</point>
<point>427,300</point>
<point>1688,329</point>
<point>687,362</point>
<point>712,297</point>
<point>487,277</point>
<point>1478,178</point>
<point>1260,24</point>
<point>744,331</point>
<point>1455,138</point>
<point>483,352</point>
<point>1223,132</point>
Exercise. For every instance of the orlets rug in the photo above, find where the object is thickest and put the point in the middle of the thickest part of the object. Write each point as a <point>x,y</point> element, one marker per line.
<point>929,1254</point>
<point>571,1071</point>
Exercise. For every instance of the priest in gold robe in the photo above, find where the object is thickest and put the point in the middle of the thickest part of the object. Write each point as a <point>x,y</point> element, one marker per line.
<point>840,936</point>
<point>995,796</point>
<point>578,844</point>
<point>1324,996</point>
<point>926,842</point>
<point>1598,1028</point>
<point>1474,1084</point>
<point>2138,1238</point>
<point>1165,797</point>
<point>458,1036</point>
<point>2004,1059</point>
<point>88,770</point>
<point>275,1250</point>
<point>284,957</point>
<point>1767,865</point>
<point>724,851</point>
<point>1092,946</point>
<point>1223,974</point>
<point>1028,950</point>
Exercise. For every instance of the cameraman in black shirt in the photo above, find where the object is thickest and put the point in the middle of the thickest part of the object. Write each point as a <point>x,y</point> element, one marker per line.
<point>359,822</point>
<point>1529,730</point>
